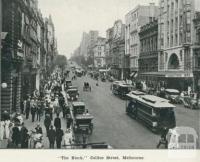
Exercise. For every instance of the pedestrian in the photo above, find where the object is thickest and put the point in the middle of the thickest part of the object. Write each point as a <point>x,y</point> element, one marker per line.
<point>33,111</point>
<point>56,106</point>
<point>69,121</point>
<point>7,128</point>
<point>163,139</point>
<point>16,136</point>
<point>47,122</point>
<point>59,135</point>
<point>57,122</point>
<point>24,136</point>
<point>2,130</point>
<point>50,107</point>
<point>38,129</point>
<point>38,110</point>
<point>27,109</point>
<point>51,137</point>
<point>67,138</point>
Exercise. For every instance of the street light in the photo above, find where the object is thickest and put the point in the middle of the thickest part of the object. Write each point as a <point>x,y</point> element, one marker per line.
<point>4,85</point>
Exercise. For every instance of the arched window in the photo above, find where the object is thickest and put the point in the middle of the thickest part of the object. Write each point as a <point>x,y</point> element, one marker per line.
<point>173,62</point>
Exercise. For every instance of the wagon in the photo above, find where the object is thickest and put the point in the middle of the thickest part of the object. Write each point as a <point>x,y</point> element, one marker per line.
<point>87,87</point>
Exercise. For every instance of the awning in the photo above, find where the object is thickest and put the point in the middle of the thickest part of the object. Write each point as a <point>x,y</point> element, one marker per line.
<point>169,74</point>
<point>133,74</point>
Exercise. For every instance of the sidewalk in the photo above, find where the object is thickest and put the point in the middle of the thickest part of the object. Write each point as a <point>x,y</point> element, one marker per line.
<point>31,125</point>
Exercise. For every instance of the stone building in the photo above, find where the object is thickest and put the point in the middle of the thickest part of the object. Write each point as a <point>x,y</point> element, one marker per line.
<point>11,55</point>
<point>24,51</point>
<point>99,53</point>
<point>148,58</point>
<point>134,19</point>
<point>118,49</point>
<point>176,36</point>
<point>196,49</point>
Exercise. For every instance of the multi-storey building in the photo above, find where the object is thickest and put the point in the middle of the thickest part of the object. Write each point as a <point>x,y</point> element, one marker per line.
<point>176,36</point>
<point>23,51</point>
<point>99,53</point>
<point>118,49</point>
<point>148,58</point>
<point>109,37</point>
<point>93,35</point>
<point>12,55</point>
<point>136,18</point>
<point>196,58</point>
<point>84,45</point>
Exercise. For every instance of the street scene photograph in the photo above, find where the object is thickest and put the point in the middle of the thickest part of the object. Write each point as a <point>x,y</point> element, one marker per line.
<point>100,74</point>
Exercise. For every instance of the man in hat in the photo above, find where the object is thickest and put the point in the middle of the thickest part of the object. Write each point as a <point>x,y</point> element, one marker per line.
<point>52,137</point>
<point>57,122</point>
<point>47,122</point>
<point>24,136</point>
<point>27,109</point>
<point>59,135</point>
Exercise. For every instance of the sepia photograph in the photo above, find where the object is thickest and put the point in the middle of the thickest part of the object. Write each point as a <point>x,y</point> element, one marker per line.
<point>100,74</point>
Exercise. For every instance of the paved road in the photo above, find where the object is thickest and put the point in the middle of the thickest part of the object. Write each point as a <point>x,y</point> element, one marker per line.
<point>113,126</point>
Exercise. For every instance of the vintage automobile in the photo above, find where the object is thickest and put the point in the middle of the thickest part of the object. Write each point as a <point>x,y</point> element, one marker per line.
<point>83,123</point>
<point>87,87</point>
<point>67,84</point>
<point>191,102</point>
<point>121,88</point>
<point>173,96</point>
<point>78,108</point>
<point>182,138</point>
<point>155,112</point>
<point>72,94</point>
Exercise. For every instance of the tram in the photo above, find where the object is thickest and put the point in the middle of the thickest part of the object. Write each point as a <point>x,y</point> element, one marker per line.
<point>155,112</point>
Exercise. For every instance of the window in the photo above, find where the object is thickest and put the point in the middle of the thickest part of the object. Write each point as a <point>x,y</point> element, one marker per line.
<point>182,138</point>
<point>190,138</point>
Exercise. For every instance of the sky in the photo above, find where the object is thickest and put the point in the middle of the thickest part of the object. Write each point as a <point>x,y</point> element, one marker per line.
<point>73,17</point>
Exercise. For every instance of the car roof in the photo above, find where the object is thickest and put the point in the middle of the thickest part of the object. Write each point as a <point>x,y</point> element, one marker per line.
<point>137,93</point>
<point>72,90</point>
<point>172,90</point>
<point>83,116</point>
<point>78,103</point>
<point>183,130</point>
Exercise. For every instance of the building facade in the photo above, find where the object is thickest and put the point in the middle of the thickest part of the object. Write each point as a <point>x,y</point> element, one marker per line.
<point>99,53</point>
<point>136,18</point>
<point>93,35</point>
<point>23,51</point>
<point>148,58</point>
<point>118,50</point>
<point>84,45</point>
<point>196,49</point>
<point>176,36</point>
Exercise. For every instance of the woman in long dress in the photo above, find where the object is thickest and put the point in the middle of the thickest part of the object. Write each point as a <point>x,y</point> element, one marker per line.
<point>2,130</point>
<point>7,129</point>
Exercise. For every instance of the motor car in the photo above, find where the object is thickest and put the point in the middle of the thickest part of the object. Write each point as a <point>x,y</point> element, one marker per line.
<point>173,95</point>
<point>182,138</point>
<point>72,94</point>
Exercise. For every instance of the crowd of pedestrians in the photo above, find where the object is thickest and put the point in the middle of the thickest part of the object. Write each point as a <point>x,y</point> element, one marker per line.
<point>38,107</point>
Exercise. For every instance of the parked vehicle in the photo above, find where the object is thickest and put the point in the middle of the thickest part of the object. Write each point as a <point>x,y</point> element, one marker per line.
<point>78,108</point>
<point>72,94</point>
<point>182,138</point>
<point>173,96</point>
<point>190,102</point>
<point>83,124</point>
<point>153,111</point>
<point>67,84</point>
<point>121,89</point>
